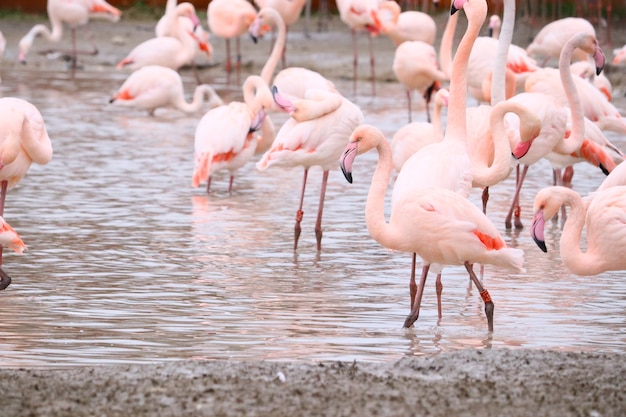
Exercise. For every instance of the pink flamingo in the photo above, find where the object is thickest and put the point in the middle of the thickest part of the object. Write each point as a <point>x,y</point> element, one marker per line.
<point>292,82</point>
<point>405,26</point>
<point>9,239</point>
<point>167,51</point>
<point>154,86</point>
<point>358,15</point>
<point>549,41</point>
<point>23,140</point>
<point>583,140</point>
<point>225,139</point>
<point>74,14</point>
<point>168,23</point>
<point>603,221</point>
<point>230,19</point>
<point>440,225</point>
<point>412,137</point>
<point>415,66</point>
<point>314,135</point>
<point>619,56</point>
<point>289,10</point>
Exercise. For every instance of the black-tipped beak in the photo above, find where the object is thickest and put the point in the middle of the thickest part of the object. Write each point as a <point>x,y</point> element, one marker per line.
<point>347,159</point>
<point>453,9</point>
<point>347,174</point>
<point>255,39</point>
<point>536,230</point>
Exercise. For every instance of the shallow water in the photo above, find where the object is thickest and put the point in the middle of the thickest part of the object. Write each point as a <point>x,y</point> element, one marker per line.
<point>127,263</point>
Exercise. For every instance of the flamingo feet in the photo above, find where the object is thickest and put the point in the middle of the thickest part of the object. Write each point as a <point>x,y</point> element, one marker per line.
<point>5,279</point>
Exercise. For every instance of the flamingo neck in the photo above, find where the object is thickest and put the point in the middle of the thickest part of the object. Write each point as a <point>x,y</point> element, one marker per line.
<point>573,99</point>
<point>579,262</point>
<point>445,48</point>
<point>457,101</point>
<point>200,93</point>
<point>498,85</point>
<point>267,72</point>
<point>377,226</point>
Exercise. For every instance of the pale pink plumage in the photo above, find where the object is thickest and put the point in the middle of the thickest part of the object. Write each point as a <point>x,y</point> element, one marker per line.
<point>603,220</point>
<point>415,66</point>
<point>154,86</point>
<point>314,135</point>
<point>224,138</point>
<point>72,13</point>
<point>549,41</point>
<point>230,19</point>
<point>405,26</point>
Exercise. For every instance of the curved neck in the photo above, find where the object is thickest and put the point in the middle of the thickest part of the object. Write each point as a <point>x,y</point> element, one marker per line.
<point>575,259</point>
<point>573,99</point>
<point>377,226</point>
<point>498,84</point>
<point>267,73</point>
<point>200,93</point>
<point>457,101</point>
<point>317,106</point>
<point>445,48</point>
<point>33,138</point>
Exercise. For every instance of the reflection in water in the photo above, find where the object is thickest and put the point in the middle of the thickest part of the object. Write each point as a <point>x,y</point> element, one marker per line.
<point>128,263</point>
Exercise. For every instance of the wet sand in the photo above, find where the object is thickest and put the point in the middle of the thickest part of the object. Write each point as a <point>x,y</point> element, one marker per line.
<point>484,382</point>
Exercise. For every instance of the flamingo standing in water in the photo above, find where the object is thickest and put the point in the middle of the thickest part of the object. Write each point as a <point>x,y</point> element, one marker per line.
<point>441,225</point>
<point>74,14</point>
<point>230,19</point>
<point>604,221</point>
<point>23,140</point>
<point>155,86</point>
<point>172,51</point>
<point>359,16</point>
<point>225,139</point>
<point>314,135</point>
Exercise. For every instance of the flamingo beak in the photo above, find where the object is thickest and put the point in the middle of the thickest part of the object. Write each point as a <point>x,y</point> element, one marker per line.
<point>599,59</point>
<point>347,159</point>
<point>282,102</point>
<point>536,230</point>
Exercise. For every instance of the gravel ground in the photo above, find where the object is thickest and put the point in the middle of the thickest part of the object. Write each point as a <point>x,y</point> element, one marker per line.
<point>497,382</point>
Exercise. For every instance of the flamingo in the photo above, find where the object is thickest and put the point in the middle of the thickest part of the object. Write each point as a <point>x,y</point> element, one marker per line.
<point>289,10</point>
<point>168,51</point>
<point>358,15</point>
<point>549,41</point>
<point>167,24</point>
<point>292,82</point>
<point>11,240</point>
<point>441,225</point>
<point>405,26</point>
<point>230,19</point>
<point>583,140</point>
<point>314,135</point>
<point>154,86</point>
<point>587,71</point>
<point>604,221</point>
<point>224,138</point>
<point>74,14</point>
<point>454,170</point>
<point>415,66</point>
<point>414,136</point>
<point>619,55</point>
<point>23,140</point>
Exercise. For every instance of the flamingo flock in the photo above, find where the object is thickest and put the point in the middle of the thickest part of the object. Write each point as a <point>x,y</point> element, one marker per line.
<point>507,108</point>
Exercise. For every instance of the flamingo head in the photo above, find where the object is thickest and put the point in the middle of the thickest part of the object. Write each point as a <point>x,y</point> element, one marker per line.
<point>104,9</point>
<point>282,102</point>
<point>599,58</point>
<point>456,6</point>
<point>537,230</point>
<point>362,139</point>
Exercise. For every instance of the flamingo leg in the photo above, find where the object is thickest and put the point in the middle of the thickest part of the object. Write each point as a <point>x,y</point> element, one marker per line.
<point>415,309</point>
<point>412,284</point>
<point>318,223</point>
<point>238,57</point>
<point>485,197</point>
<point>230,184</point>
<point>489,306</point>
<point>297,229</point>
<point>208,184</point>
<point>5,280</point>
<point>372,64</point>
<point>439,290</point>
<point>355,62</point>
<point>515,203</point>
<point>408,99</point>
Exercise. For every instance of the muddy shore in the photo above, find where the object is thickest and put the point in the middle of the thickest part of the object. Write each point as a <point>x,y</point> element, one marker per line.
<point>490,382</point>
